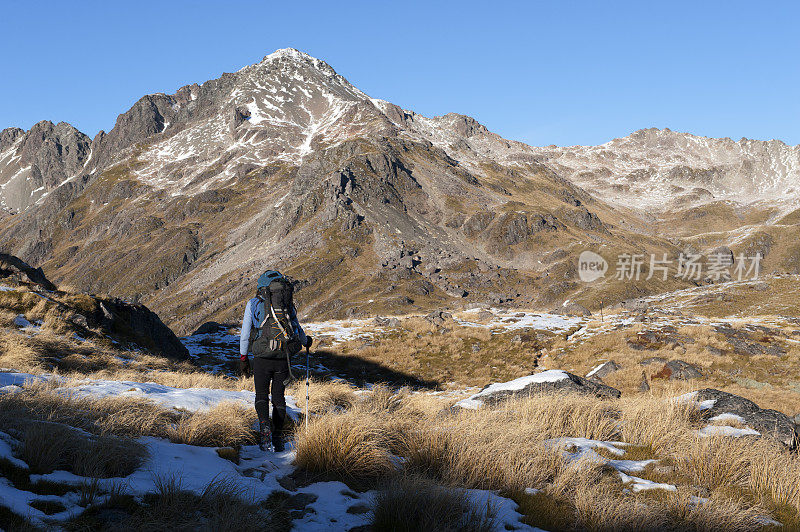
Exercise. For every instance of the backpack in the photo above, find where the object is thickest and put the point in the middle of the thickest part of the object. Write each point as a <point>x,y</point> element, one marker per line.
<point>275,336</point>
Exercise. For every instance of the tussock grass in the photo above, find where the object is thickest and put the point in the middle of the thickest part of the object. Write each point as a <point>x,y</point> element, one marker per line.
<point>347,445</point>
<point>48,351</point>
<point>222,505</point>
<point>445,354</point>
<point>324,396</point>
<point>224,425</point>
<point>507,448</point>
<point>16,352</point>
<point>47,447</point>
<point>46,401</point>
<point>656,422</point>
<point>7,318</point>
<point>411,503</point>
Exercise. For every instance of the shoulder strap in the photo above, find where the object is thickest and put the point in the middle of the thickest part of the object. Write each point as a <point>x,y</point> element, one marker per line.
<point>266,316</point>
<point>280,326</point>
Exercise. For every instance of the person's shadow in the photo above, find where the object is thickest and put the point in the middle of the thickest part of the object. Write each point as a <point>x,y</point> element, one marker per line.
<point>357,370</point>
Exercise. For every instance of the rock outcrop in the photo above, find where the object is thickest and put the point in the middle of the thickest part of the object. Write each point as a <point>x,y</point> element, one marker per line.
<point>120,320</point>
<point>603,370</point>
<point>14,268</point>
<point>549,381</point>
<point>142,326</point>
<point>770,423</point>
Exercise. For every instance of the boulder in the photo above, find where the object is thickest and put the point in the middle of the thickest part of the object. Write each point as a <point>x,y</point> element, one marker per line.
<point>644,386</point>
<point>548,381</point>
<point>485,315</point>
<point>209,327</point>
<point>635,304</point>
<point>138,324</point>
<point>745,348</point>
<point>382,321</point>
<point>768,422</point>
<point>603,370</point>
<point>20,271</point>
<point>438,317</point>
<point>678,370</point>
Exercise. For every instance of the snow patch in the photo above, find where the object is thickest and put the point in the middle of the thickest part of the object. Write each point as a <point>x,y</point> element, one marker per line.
<point>728,417</point>
<point>526,320</point>
<point>190,399</point>
<point>691,397</point>
<point>21,322</point>
<point>724,430</point>
<point>551,375</point>
<point>641,484</point>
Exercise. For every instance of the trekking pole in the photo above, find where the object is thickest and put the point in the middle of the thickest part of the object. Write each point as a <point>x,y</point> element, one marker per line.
<point>308,345</point>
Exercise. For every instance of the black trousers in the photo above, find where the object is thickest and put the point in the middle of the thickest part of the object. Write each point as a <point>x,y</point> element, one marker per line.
<point>269,375</point>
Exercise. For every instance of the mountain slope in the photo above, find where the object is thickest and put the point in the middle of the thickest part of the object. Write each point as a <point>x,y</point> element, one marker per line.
<point>372,208</point>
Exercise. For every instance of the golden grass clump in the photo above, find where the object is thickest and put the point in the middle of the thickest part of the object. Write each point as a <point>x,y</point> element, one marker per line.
<point>16,352</point>
<point>325,396</point>
<point>223,425</point>
<point>351,446</point>
<point>511,448</point>
<point>656,422</point>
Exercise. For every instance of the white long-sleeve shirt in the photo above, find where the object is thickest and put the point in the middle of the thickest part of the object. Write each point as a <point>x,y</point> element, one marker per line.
<point>253,316</point>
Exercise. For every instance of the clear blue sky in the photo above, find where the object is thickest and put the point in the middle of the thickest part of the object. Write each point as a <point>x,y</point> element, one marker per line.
<point>544,73</point>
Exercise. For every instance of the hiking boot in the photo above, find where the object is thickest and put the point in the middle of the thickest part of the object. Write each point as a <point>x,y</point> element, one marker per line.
<point>263,435</point>
<point>277,445</point>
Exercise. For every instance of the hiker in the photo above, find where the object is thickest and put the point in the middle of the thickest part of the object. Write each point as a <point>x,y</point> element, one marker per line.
<point>271,332</point>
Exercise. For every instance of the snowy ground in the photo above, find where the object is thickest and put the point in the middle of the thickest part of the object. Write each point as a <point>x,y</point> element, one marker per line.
<point>257,473</point>
<point>503,321</point>
<point>189,399</point>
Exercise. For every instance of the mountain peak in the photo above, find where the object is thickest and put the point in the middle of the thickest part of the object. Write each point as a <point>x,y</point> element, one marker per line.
<point>287,59</point>
<point>288,53</point>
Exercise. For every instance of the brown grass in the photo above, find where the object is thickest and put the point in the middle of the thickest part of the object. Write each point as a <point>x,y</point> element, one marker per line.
<point>222,505</point>
<point>444,355</point>
<point>346,445</point>
<point>46,447</point>
<point>505,449</point>
<point>411,503</point>
<point>48,351</point>
<point>224,425</point>
<point>324,396</point>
